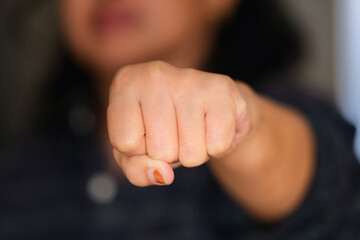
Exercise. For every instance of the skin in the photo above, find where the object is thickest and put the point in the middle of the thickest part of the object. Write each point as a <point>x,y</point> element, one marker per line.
<point>164,113</point>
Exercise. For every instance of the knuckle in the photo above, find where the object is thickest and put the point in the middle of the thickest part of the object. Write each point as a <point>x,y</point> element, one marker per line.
<point>156,72</point>
<point>120,80</point>
<point>167,156</point>
<point>122,73</point>
<point>191,78</point>
<point>223,85</point>
<point>159,65</point>
<point>219,148</point>
<point>190,73</point>
<point>227,82</point>
<point>192,159</point>
<point>156,69</point>
<point>124,145</point>
<point>128,145</point>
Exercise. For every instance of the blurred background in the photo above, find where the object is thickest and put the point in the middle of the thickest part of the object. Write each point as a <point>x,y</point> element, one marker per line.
<point>330,39</point>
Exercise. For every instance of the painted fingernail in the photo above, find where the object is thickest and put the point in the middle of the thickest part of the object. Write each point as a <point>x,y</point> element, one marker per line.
<point>156,177</point>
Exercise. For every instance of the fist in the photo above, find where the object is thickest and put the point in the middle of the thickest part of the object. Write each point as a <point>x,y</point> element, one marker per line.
<point>160,116</point>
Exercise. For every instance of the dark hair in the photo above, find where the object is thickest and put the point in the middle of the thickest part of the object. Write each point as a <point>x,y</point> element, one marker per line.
<point>257,42</point>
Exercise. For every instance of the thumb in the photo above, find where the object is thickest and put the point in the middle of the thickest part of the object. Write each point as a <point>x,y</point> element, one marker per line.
<point>143,171</point>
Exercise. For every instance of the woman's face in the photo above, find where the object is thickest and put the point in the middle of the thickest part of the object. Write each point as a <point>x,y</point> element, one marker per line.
<point>107,34</point>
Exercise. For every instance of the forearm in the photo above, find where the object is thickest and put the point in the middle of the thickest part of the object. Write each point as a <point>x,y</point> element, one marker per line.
<point>270,170</point>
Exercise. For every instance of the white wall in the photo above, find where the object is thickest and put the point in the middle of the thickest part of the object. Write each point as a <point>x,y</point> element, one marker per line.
<point>347,25</point>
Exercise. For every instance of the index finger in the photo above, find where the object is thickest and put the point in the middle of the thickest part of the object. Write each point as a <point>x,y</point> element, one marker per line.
<point>125,124</point>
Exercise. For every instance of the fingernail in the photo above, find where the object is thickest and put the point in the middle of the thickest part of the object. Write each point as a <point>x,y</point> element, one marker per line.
<point>156,177</point>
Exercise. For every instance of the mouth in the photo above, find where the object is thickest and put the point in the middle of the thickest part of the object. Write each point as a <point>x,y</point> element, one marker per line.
<point>111,21</point>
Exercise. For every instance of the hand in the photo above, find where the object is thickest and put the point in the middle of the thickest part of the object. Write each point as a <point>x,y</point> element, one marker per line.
<point>160,115</point>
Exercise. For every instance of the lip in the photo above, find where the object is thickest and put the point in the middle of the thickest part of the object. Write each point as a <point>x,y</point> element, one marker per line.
<point>114,21</point>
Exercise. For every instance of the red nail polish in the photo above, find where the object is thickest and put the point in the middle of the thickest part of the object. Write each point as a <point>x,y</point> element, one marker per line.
<point>158,177</point>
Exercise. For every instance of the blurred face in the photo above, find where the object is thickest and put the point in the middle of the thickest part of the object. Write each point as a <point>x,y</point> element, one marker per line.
<point>107,34</point>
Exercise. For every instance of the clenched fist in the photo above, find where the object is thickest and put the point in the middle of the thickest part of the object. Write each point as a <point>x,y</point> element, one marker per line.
<point>160,116</point>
